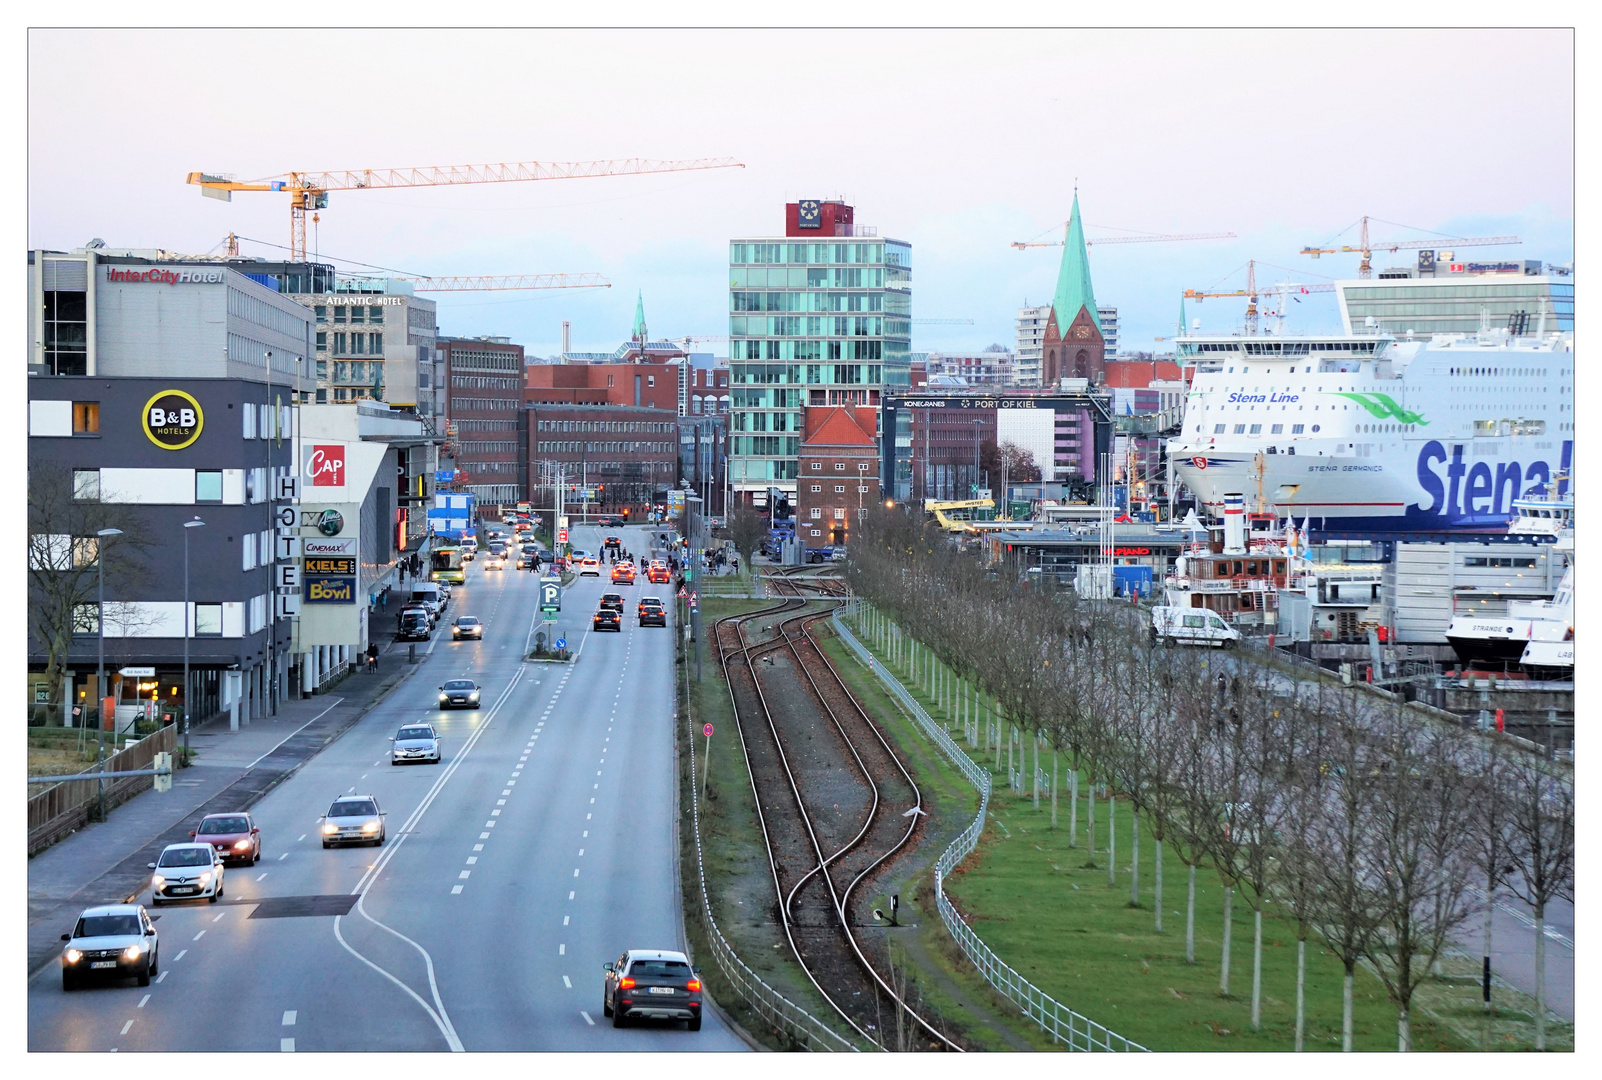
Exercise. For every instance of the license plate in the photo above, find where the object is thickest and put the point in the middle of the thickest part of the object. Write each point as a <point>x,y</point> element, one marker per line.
<point>181,891</point>
<point>661,989</point>
<point>104,964</point>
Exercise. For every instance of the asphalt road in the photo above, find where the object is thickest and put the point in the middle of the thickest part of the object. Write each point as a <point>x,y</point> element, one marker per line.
<point>542,847</point>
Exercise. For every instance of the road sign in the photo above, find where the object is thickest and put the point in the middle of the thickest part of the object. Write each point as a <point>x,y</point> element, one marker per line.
<point>561,536</point>
<point>136,672</point>
<point>550,595</point>
<point>707,730</point>
<point>561,643</point>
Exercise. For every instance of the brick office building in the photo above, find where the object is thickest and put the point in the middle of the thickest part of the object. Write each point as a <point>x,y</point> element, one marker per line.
<point>626,454</point>
<point>838,469</point>
<point>484,408</point>
<point>643,385</point>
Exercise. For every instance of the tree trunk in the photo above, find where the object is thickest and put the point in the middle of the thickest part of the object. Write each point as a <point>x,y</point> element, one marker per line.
<point>1346,1007</point>
<point>1134,857</point>
<point>1112,837</point>
<point>1190,916</point>
<point>1485,952</point>
<point>1054,789</point>
<point>1090,822</point>
<point>1540,975</point>
<point>1073,806</point>
<point>1257,965</point>
<point>1229,926</point>
<point>1157,886</point>
<point>1404,1030</point>
<point>1301,984</point>
<point>1011,776</point>
<point>1036,784</point>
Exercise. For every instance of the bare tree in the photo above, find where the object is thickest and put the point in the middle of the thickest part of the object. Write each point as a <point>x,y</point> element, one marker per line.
<point>1540,805</point>
<point>747,530</point>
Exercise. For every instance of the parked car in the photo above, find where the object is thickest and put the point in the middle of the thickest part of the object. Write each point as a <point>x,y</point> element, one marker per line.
<point>467,626</point>
<point>652,612</point>
<point>414,626</point>
<point>653,984</point>
<point>235,836</point>
<point>459,693</point>
<point>415,742</point>
<point>354,819</point>
<point>186,872</point>
<point>116,941</point>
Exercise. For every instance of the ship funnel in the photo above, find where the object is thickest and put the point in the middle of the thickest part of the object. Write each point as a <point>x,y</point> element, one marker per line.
<point>1234,523</point>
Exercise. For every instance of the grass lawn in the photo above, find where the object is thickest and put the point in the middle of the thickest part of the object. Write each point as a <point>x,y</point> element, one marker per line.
<point>1056,920</point>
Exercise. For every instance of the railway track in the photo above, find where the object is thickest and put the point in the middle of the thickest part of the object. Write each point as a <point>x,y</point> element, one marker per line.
<point>831,794</point>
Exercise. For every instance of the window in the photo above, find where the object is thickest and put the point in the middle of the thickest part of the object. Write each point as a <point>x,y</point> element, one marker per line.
<point>839,488</point>
<point>66,329</point>
<point>839,466</point>
<point>322,339</point>
<point>1257,429</point>
<point>816,513</point>
<point>1218,429</point>
<point>1240,429</point>
<point>339,314</point>
<point>1277,429</point>
<point>339,337</point>
<point>375,314</point>
<point>322,313</point>
<point>356,314</point>
<point>86,417</point>
<point>817,487</point>
<point>817,465</point>
<point>85,550</point>
<point>839,513</point>
<point>357,341</point>
<point>86,484</point>
<point>208,485</point>
<point>375,344</point>
<point>1296,429</point>
<point>862,489</point>
<point>249,549</point>
<point>208,620</point>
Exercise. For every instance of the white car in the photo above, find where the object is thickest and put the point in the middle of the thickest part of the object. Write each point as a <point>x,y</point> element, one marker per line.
<point>415,742</point>
<point>186,872</point>
<point>116,941</point>
<point>354,819</point>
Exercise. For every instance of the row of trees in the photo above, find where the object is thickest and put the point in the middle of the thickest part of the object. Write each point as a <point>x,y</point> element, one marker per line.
<point>1381,831</point>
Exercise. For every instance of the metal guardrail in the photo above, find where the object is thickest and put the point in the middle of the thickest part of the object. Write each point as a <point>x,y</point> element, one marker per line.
<point>807,1030</point>
<point>1056,1019</point>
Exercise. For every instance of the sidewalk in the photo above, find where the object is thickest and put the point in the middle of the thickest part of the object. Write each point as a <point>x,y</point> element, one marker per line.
<point>105,862</point>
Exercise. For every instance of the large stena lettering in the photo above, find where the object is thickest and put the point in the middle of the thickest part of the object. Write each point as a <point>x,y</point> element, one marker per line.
<point>1475,489</point>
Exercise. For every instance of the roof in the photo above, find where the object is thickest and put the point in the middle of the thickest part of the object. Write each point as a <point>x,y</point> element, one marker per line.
<point>639,317</point>
<point>1073,277</point>
<point>110,909</point>
<point>1136,374</point>
<point>657,954</point>
<point>835,425</point>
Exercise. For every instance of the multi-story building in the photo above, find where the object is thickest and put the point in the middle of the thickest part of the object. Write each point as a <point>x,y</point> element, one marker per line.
<point>483,388</point>
<point>703,461</point>
<point>995,366</point>
<point>819,316</point>
<point>647,385</point>
<point>949,449</point>
<point>1107,317</point>
<point>1031,328</point>
<point>1443,294</point>
<point>704,386</point>
<point>625,454</point>
<point>376,342</point>
<point>838,473</point>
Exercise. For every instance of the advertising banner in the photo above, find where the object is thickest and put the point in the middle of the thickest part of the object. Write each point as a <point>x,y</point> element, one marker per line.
<point>321,589</point>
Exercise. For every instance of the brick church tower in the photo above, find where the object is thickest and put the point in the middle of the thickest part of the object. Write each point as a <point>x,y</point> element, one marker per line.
<point>1073,347</point>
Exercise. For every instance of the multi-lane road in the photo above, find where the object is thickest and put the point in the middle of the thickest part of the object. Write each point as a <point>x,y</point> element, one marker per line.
<point>540,848</point>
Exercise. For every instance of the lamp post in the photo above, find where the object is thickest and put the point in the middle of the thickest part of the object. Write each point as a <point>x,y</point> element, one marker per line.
<point>188,630</point>
<point>100,669</point>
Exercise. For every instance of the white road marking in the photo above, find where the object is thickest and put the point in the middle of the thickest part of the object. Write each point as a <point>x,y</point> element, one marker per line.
<point>218,916</point>
<point>570,896</point>
<point>597,772</point>
<point>483,836</point>
<point>286,1046</point>
<point>352,788</point>
<point>301,837</point>
<point>289,1018</point>
<point>142,1001</point>
<point>261,875</point>
<point>162,976</point>
<point>495,813</point>
<point>575,874</point>
<point>588,816</point>
<point>478,847</point>
<point>567,982</point>
<point>518,773</point>
<point>509,783</point>
<point>363,776</point>
<point>472,859</point>
<point>126,1026</point>
<point>506,791</point>
<point>587,1019</point>
<point>200,935</point>
<point>581,853</point>
<point>489,825</point>
<point>565,918</point>
<point>455,889</point>
<point>597,787</point>
<point>500,802</point>
<point>284,856</point>
<point>464,873</point>
<point>185,952</point>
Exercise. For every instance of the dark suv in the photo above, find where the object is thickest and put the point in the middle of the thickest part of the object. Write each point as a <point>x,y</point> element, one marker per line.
<point>414,626</point>
<point>608,619</point>
<point>612,601</point>
<point>652,612</point>
<point>652,984</point>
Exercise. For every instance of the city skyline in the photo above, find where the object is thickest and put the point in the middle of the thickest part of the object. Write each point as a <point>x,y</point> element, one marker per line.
<point>985,152</point>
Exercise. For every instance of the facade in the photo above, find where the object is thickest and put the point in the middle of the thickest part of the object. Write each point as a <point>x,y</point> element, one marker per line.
<point>838,469</point>
<point>1107,317</point>
<point>703,386</point>
<point>376,342</point>
<point>949,452</point>
<point>483,388</point>
<point>1073,345</point>
<point>1441,295</point>
<point>703,460</point>
<point>625,454</point>
<point>994,366</point>
<point>1031,328</point>
<point>643,385</point>
<point>819,316</point>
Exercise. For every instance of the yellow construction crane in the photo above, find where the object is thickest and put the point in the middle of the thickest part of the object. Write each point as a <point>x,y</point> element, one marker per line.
<point>1021,244</point>
<point>956,525</point>
<point>308,191</point>
<point>1365,268</point>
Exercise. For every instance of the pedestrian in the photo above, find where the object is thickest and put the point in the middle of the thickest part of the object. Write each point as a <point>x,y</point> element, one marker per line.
<point>372,656</point>
<point>383,598</point>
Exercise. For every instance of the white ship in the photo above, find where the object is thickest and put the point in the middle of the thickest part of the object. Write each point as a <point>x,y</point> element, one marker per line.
<point>1367,433</point>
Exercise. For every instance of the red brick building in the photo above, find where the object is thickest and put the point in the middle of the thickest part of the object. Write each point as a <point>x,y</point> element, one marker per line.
<point>650,386</point>
<point>1073,346</point>
<point>839,473</point>
<point>626,454</point>
<point>483,411</point>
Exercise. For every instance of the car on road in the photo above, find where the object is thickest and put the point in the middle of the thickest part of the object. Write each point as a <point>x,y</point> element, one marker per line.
<point>354,819</point>
<point>414,626</point>
<point>495,534</point>
<point>495,560</point>
<point>186,872</point>
<point>590,566</point>
<point>623,574</point>
<point>611,601</point>
<point>658,573</point>
<point>467,626</point>
<point>459,692</point>
<point>652,612</point>
<point>608,619</point>
<point>235,836</point>
<point>528,560</point>
<point>415,742</point>
<point>115,941</point>
<point>653,984</point>
<point>612,543</point>
<point>415,604</point>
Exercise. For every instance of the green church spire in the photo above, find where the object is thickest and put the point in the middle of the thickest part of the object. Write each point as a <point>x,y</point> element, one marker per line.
<point>1073,278</point>
<point>639,317</point>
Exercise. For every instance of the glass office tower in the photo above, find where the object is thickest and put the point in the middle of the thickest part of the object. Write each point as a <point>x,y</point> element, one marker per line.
<point>823,321</point>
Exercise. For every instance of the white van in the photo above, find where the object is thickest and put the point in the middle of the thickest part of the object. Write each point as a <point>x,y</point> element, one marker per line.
<point>433,595</point>
<point>1192,626</point>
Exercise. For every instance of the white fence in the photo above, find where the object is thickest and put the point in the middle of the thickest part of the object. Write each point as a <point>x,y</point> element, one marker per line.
<point>1056,1019</point>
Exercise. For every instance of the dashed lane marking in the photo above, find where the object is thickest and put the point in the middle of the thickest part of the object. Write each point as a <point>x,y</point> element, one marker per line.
<point>455,889</point>
<point>181,954</point>
<point>162,976</point>
<point>142,1002</point>
<point>565,918</point>
<point>218,916</point>
<point>570,896</point>
<point>299,838</point>
<point>284,856</point>
<point>261,875</point>
<point>587,1019</point>
<point>561,950</point>
<point>289,1018</point>
<point>126,1026</point>
<point>200,935</point>
<point>575,874</point>
<point>465,874</point>
<point>472,860</point>
<point>567,982</point>
<point>286,1046</point>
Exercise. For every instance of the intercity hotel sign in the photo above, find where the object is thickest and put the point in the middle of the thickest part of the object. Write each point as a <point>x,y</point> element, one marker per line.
<point>160,276</point>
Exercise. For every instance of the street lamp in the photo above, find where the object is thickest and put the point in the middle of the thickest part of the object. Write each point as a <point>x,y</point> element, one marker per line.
<point>100,670</point>
<point>195,524</point>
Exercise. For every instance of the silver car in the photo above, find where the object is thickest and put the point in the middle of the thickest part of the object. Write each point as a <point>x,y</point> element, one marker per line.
<point>354,819</point>
<point>186,872</point>
<point>115,940</point>
<point>415,742</point>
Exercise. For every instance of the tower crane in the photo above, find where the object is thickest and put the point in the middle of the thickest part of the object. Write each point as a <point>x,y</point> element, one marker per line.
<point>1365,268</point>
<point>1252,292</point>
<point>1021,244</point>
<point>308,191</point>
<point>501,282</point>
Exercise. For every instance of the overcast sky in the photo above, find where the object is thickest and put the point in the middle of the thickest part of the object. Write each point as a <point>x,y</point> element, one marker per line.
<point>959,142</point>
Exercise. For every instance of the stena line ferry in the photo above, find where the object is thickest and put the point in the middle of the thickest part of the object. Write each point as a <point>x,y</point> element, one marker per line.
<point>1369,433</point>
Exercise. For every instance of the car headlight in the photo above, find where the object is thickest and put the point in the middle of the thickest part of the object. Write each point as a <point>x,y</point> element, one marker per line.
<point>157,880</point>
<point>444,697</point>
<point>330,828</point>
<point>205,879</point>
<point>473,696</point>
<point>241,845</point>
<point>371,826</point>
<point>133,952</point>
<point>73,956</point>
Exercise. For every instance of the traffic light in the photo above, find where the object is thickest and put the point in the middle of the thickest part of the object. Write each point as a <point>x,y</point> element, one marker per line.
<point>625,513</point>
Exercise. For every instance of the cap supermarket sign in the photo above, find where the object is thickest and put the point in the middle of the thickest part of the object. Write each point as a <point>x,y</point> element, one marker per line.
<point>172,419</point>
<point>325,465</point>
<point>166,277</point>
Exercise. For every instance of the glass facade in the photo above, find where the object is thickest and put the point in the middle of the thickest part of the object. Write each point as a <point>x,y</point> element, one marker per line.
<point>1455,304</point>
<point>810,323</point>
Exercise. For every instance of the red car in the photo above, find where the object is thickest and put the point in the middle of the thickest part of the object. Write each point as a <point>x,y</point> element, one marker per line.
<point>235,836</point>
<point>623,573</point>
<point>657,573</point>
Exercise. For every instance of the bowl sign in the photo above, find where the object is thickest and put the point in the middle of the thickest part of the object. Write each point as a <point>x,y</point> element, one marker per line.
<point>707,730</point>
<point>172,419</point>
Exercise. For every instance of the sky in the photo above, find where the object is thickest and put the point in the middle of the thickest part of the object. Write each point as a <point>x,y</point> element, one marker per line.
<point>957,141</point>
